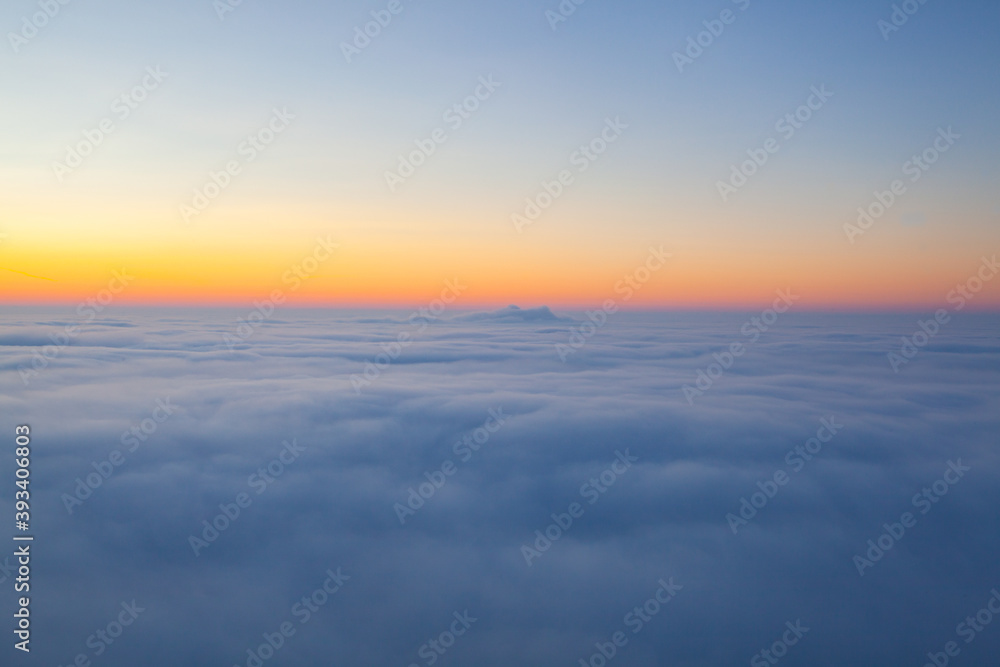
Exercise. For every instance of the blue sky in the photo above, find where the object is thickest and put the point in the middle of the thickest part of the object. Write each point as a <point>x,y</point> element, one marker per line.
<point>607,60</point>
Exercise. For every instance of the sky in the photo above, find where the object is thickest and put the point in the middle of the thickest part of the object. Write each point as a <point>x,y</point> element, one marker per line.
<point>337,120</point>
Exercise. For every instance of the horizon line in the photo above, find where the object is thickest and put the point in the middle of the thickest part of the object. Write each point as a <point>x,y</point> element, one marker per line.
<point>854,308</point>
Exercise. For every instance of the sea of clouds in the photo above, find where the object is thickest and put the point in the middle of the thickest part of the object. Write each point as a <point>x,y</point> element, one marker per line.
<point>415,495</point>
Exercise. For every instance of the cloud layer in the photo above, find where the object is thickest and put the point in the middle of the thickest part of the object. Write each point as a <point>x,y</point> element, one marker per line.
<point>481,488</point>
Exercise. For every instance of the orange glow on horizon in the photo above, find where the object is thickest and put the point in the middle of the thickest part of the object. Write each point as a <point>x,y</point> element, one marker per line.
<point>376,272</point>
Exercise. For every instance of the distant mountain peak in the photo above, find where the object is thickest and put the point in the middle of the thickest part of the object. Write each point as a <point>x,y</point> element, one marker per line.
<point>514,313</point>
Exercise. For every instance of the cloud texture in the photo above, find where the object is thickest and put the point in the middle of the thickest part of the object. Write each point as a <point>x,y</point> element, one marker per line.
<point>200,424</point>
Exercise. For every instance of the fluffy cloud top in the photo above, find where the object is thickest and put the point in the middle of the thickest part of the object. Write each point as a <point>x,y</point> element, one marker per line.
<point>199,423</point>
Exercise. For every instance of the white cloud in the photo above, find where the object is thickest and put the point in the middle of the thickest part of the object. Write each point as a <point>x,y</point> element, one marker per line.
<point>665,518</point>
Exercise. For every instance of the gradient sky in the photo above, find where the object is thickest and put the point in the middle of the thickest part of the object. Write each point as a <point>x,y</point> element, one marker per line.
<point>324,175</point>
